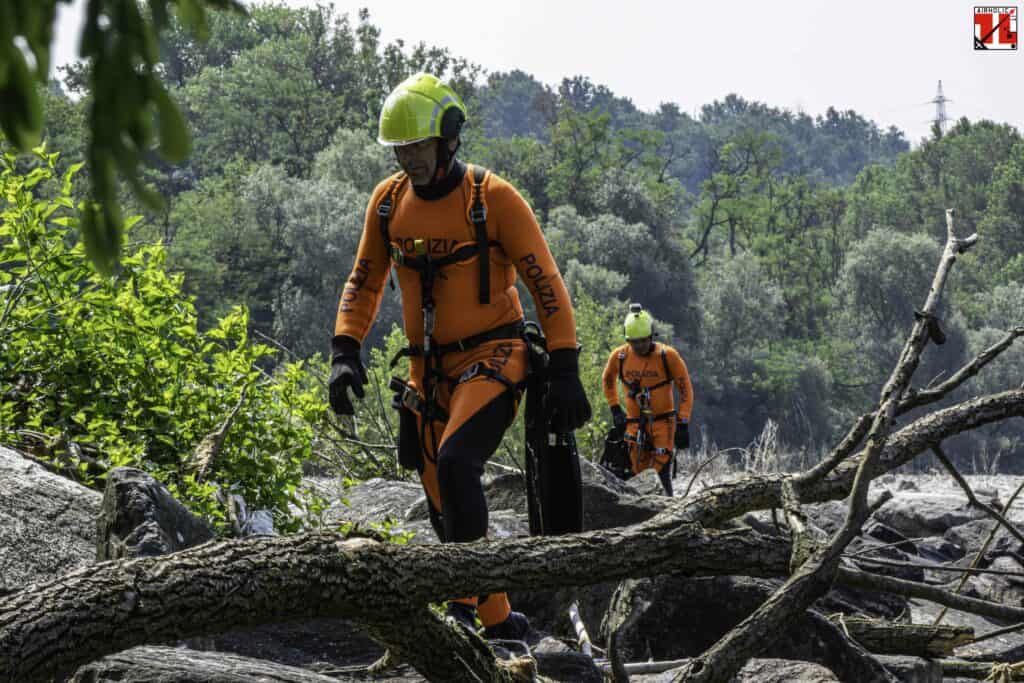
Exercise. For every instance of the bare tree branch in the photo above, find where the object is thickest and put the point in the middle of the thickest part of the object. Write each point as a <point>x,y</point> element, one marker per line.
<point>916,399</point>
<point>973,499</point>
<point>724,659</point>
<point>914,589</point>
<point>983,548</point>
<point>208,449</point>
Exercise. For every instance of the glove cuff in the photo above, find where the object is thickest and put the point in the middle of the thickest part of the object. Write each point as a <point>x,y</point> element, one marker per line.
<point>564,362</point>
<point>343,346</point>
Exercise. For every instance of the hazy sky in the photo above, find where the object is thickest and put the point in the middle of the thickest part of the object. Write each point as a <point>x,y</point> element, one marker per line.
<point>881,58</point>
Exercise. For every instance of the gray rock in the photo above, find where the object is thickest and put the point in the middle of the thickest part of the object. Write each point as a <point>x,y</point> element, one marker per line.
<point>140,518</point>
<point>912,669</point>
<point>373,500</point>
<point>253,522</point>
<point>675,616</point>
<point>972,536</point>
<point>557,661</point>
<point>916,514</point>
<point>647,483</point>
<point>828,516</point>
<point>607,501</point>
<point>887,535</point>
<point>1008,590</point>
<point>47,523</point>
<point>549,609</point>
<point>500,524</point>
<point>763,522</point>
<point>506,492</point>
<point>886,552</point>
<point>1008,647</point>
<point>935,549</point>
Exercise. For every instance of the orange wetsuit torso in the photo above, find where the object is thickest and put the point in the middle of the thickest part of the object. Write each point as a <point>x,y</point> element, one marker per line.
<point>648,372</point>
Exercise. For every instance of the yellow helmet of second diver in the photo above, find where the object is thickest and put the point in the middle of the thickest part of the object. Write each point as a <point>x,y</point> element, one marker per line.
<point>639,323</point>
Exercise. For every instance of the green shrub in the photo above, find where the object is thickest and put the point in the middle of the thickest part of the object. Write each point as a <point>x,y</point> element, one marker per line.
<point>113,371</point>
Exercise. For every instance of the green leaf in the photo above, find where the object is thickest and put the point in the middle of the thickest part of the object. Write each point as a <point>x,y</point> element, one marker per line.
<point>175,145</point>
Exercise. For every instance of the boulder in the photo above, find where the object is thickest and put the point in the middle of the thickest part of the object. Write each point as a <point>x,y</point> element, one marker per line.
<point>1008,590</point>
<point>922,513</point>
<point>827,516</point>
<point>1008,647</point>
<point>887,535</point>
<point>972,536</point>
<point>47,523</point>
<point>912,669</point>
<point>556,661</point>
<point>373,500</point>
<point>885,552</point>
<point>140,518</point>
<point>937,549</point>
<point>675,616</point>
<point>607,501</point>
<point>647,483</point>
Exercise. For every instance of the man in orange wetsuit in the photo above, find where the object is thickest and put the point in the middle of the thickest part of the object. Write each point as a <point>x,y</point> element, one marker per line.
<point>648,370</point>
<point>457,236</point>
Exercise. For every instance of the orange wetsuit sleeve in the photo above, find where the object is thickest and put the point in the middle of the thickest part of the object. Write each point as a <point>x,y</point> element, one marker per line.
<point>364,290</point>
<point>610,378</point>
<point>521,238</point>
<point>682,381</point>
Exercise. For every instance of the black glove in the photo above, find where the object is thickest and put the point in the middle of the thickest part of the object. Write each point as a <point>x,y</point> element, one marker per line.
<point>570,408</point>
<point>618,417</point>
<point>682,438</point>
<point>346,371</point>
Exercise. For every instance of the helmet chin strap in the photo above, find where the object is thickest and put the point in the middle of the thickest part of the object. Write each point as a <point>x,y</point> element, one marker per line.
<point>444,159</point>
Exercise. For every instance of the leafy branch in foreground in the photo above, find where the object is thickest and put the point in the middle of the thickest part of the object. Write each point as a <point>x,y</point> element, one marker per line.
<point>120,42</point>
<point>100,372</point>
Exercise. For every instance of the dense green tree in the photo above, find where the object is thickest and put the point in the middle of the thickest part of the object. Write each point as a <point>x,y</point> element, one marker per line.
<point>265,105</point>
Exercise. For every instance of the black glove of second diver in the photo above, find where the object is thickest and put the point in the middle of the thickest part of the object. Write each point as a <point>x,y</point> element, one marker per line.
<point>346,371</point>
<point>618,417</point>
<point>570,408</point>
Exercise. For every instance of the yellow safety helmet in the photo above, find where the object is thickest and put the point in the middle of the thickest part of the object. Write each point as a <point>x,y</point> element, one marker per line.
<point>639,323</point>
<point>421,107</point>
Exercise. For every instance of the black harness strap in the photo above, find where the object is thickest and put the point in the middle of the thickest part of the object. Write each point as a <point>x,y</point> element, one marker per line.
<point>510,331</point>
<point>384,215</point>
<point>478,215</point>
<point>429,268</point>
<point>645,420</point>
<point>654,418</point>
<point>634,387</point>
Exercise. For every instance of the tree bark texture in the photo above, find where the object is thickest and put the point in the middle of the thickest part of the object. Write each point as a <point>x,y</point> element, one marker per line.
<point>181,665</point>
<point>919,640</point>
<point>53,627</point>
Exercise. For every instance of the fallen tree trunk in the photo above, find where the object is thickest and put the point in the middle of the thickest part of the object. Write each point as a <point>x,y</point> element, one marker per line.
<point>856,578</point>
<point>987,671</point>
<point>51,628</point>
<point>181,665</point>
<point>54,627</point>
<point>753,670</point>
<point>888,638</point>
